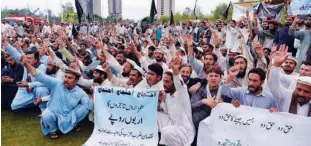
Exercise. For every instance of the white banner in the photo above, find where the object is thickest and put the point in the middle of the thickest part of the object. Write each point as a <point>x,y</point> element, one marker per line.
<point>247,126</point>
<point>302,7</point>
<point>124,117</point>
<point>240,11</point>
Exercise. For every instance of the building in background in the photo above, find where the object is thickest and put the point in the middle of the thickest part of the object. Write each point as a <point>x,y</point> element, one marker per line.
<point>115,8</point>
<point>97,8</point>
<point>164,7</point>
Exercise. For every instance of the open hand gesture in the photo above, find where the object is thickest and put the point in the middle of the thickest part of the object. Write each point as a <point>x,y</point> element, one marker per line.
<point>280,56</point>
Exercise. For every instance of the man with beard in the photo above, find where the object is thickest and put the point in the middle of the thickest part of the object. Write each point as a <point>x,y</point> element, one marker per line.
<point>210,59</point>
<point>53,71</point>
<point>289,66</point>
<point>290,82</point>
<point>124,69</point>
<point>158,55</point>
<point>121,57</point>
<point>9,76</point>
<point>304,37</point>
<point>174,116</point>
<point>26,94</point>
<point>68,104</point>
<point>240,79</point>
<point>149,56</point>
<point>266,33</point>
<point>193,84</point>
<point>100,77</point>
<point>282,36</point>
<point>253,95</point>
<point>135,79</point>
<point>295,101</point>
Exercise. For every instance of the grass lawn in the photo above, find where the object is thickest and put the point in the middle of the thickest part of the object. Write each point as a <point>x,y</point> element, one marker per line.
<point>22,128</point>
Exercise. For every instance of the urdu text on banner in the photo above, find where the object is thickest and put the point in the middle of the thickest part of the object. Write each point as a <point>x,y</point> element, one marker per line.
<point>248,126</point>
<point>124,117</point>
<point>302,7</point>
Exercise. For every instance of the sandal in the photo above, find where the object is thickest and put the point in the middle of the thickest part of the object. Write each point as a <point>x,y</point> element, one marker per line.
<point>53,135</point>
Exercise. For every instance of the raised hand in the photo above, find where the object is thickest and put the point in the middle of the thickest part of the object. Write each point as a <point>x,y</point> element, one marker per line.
<point>258,49</point>
<point>234,71</point>
<point>280,56</point>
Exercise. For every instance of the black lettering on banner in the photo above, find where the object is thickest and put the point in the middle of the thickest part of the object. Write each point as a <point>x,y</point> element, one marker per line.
<point>122,133</point>
<point>236,120</point>
<point>227,142</point>
<point>127,120</point>
<point>127,107</point>
<point>117,143</point>
<point>305,7</point>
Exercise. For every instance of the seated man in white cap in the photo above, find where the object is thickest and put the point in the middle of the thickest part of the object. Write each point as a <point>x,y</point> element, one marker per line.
<point>68,103</point>
<point>53,71</point>
<point>289,65</point>
<point>136,79</point>
<point>159,55</point>
<point>123,70</point>
<point>295,101</point>
<point>100,78</point>
<point>175,121</point>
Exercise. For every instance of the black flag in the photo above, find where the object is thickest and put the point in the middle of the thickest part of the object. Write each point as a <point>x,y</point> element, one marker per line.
<point>225,14</point>
<point>79,10</point>
<point>195,7</point>
<point>153,10</point>
<point>172,18</point>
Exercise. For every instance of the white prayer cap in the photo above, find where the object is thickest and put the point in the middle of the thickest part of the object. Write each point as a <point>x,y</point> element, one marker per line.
<point>200,49</point>
<point>53,62</point>
<point>159,51</point>
<point>235,50</point>
<point>294,59</point>
<point>139,69</point>
<point>304,80</point>
<point>131,62</point>
<point>100,68</point>
<point>239,56</point>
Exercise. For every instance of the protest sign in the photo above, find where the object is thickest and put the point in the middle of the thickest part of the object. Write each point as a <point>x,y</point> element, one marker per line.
<point>240,11</point>
<point>302,7</point>
<point>247,126</point>
<point>126,117</point>
<point>267,10</point>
